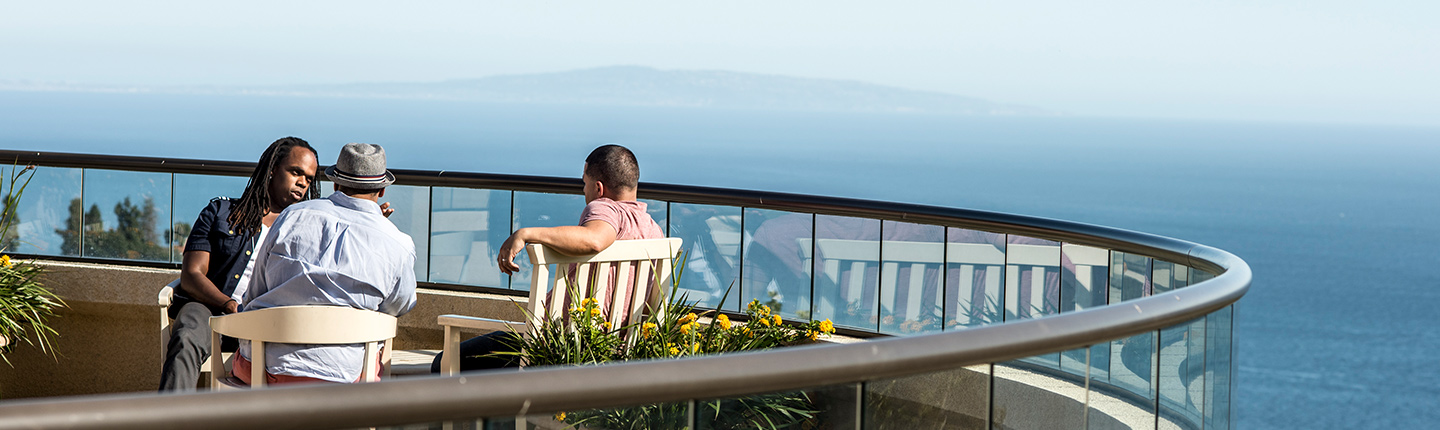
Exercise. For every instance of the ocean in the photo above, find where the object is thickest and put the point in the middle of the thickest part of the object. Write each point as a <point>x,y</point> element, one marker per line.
<point>1337,221</point>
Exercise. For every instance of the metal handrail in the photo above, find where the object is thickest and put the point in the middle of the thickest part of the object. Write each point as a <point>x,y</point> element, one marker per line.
<point>545,390</point>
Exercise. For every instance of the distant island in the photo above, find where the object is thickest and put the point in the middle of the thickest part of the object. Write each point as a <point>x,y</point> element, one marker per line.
<point>616,86</point>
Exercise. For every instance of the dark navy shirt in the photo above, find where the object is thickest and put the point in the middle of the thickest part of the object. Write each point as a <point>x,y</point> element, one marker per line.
<point>229,249</point>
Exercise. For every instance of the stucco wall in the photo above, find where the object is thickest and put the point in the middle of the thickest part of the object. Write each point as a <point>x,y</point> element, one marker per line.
<point>110,341</point>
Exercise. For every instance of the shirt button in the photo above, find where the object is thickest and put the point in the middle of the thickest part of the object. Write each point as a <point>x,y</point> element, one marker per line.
<point>247,252</point>
<point>237,276</point>
<point>232,231</point>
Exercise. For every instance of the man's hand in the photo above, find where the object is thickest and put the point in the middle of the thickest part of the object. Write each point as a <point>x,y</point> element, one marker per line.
<point>385,209</point>
<point>232,306</point>
<point>505,258</point>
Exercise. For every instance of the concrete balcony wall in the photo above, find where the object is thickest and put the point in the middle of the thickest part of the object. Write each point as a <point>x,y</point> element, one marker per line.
<point>110,341</point>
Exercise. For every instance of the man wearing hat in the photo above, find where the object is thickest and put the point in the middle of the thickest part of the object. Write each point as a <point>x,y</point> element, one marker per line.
<point>338,251</point>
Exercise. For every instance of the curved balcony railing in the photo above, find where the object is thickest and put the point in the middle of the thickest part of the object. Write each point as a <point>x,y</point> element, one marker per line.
<point>1004,320</point>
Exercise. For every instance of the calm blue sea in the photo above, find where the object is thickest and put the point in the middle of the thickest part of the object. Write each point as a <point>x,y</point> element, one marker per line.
<point>1338,222</point>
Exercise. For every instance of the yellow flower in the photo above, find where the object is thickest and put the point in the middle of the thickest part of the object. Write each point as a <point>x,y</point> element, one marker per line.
<point>594,312</point>
<point>747,332</point>
<point>588,302</point>
<point>754,303</point>
<point>764,321</point>
<point>812,334</point>
<point>688,318</point>
<point>648,329</point>
<point>605,324</point>
<point>764,310</point>
<point>827,327</point>
<point>724,321</point>
<point>776,318</point>
<point>694,348</point>
<point>685,329</point>
<point>560,416</point>
<point>5,260</point>
<point>673,349</point>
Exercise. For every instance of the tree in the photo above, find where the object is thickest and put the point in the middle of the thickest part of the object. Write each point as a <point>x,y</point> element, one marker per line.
<point>134,236</point>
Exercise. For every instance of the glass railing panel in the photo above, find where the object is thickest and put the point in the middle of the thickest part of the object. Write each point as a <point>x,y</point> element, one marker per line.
<point>1129,276</point>
<point>1198,276</point>
<point>657,416</point>
<point>1032,278</point>
<point>1133,365</point>
<point>1032,283</point>
<point>48,220</point>
<point>542,210</point>
<point>1181,374</point>
<point>974,272</point>
<point>467,226</point>
<point>821,408</point>
<point>1170,276</point>
<point>1112,408</point>
<point>912,266</point>
<point>192,194</point>
<point>712,252</point>
<point>127,215</point>
<point>847,268</point>
<point>951,399</point>
<point>412,217</point>
<point>775,253</point>
<point>1084,284</point>
<point>1029,396</point>
<point>1219,369</point>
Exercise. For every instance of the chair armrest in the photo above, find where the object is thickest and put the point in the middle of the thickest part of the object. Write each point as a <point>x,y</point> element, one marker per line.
<point>477,323</point>
<point>167,293</point>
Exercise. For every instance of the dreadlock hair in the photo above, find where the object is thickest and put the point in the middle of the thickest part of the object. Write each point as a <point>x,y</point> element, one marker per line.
<point>246,213</point>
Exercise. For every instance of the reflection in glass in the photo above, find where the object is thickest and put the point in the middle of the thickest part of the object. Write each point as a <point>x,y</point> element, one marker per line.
<point>45,223</point>
<point>712,252</point>
<point>127,217</point>
<point>1219,371</point>
<point>912,265</point>
<point>1182,373</point>
<point>1129,276</point>
<point>412,217</point>
<point>467,227</point>
<point>1032,278</point>
<point>1027,397</point>
<point>952,399</point>
<point>1170,276</point>
<point>659,211</point>
<point>846,268</point>
<point>975,264</point>
<point>542,210</point>
<point>775,252</point>
<point>192,194</point>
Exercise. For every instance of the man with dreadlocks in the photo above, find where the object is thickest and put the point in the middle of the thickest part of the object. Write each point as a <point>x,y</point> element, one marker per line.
<point>217,260</point>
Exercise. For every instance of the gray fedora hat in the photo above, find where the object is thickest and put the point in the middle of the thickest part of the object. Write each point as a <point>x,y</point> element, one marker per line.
<point>361,166</point>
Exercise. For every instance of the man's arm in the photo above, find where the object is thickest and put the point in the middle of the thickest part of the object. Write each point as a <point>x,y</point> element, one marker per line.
<point>590,238</point>
<point>195,262</point>
<point>194,266</point>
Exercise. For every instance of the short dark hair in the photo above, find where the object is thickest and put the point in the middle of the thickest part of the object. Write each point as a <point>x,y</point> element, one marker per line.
<point>614,166</point>
<point>350,191</point>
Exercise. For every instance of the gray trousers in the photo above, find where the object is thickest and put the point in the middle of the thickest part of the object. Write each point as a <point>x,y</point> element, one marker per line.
<point>188,348</point>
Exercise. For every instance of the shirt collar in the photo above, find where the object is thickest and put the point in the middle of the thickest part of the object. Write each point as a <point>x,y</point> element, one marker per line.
<point>342,200</point>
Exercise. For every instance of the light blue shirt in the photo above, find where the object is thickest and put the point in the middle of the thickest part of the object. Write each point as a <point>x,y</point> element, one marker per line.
<point>336,251</point>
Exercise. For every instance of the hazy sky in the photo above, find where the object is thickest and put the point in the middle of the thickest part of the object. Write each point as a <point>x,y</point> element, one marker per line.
<point>1312,60</point>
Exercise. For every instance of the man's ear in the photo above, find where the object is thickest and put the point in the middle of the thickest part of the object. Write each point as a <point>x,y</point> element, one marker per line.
<point>382,193</point>
<point>600,189</point>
